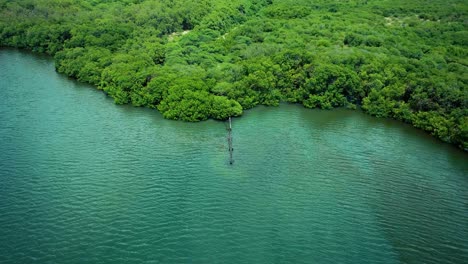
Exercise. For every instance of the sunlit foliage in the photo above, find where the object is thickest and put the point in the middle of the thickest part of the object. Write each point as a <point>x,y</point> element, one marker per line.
<point>200,59</point>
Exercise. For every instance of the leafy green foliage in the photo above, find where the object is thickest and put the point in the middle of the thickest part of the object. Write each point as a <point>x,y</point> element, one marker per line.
<point>202,59</point>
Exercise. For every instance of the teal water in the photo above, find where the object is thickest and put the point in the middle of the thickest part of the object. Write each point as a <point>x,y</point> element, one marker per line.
<point>83,180</point>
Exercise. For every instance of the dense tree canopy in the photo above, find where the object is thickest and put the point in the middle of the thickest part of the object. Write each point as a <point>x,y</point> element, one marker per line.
<point>200,59</point>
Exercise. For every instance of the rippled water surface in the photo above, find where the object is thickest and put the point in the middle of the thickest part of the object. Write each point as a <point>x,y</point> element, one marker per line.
<point>85,181</point>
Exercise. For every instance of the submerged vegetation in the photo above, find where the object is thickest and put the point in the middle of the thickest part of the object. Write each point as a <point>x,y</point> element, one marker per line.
<point>200,59</point>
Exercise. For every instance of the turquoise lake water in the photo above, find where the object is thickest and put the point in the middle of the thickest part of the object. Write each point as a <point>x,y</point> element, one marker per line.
<point>83,180</point>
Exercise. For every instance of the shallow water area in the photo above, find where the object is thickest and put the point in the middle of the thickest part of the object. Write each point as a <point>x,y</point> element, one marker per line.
<point>83,180</point>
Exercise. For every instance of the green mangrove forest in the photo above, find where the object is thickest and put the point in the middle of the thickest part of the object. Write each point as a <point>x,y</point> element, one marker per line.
<point>200,59</point>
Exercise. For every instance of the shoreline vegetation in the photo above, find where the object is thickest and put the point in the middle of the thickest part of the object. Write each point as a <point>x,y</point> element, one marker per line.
<point>194,60</point>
